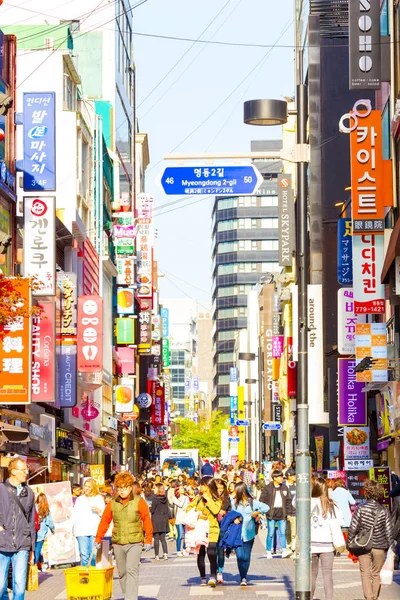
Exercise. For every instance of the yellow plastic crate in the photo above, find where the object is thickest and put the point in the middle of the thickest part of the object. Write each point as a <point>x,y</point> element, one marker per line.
<point>89,583</point>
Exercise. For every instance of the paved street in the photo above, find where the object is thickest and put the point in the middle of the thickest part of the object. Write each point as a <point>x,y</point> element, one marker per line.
<point>268,579</point>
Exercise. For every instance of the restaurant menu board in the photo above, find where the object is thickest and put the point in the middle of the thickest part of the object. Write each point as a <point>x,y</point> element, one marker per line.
<point>355,484</point>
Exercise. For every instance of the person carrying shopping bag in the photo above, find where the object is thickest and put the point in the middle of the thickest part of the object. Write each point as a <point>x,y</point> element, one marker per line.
<point>46,524</point>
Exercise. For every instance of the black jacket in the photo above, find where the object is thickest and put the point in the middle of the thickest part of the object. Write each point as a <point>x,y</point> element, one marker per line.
<point>363,519</point>
<point>268,497</point>
<point>159,511</point>
<point>18,532</point>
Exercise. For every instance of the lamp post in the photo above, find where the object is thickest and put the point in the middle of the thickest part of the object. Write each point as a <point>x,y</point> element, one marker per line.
<point>274,112</point>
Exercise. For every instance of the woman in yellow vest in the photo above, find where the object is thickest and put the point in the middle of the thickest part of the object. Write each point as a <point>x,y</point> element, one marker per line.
<point>131,517</point>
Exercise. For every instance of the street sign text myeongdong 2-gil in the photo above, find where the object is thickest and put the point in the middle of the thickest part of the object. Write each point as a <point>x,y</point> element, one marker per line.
<point>219,181</point>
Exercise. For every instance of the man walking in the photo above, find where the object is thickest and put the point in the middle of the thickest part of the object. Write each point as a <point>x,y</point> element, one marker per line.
<point>17,528</point>
<point>277,496</point>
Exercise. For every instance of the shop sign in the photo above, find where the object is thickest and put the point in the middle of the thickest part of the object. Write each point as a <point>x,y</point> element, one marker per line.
<point>126,300</point>
<point>364,45</point>
<point>97,473</point>
<point>124,398</point>
<point>345,252</point>
<point>124,239</point>
<point>291,369</point>
<point>126,271</point>
<point>144,208</point>
<point>382,476</point>
<point>156,328</point>
<point>126,361</point>
<point>336,474</point>
<point>158,407</point>
<point>15,353</point>
<point>356,465</point>
<point>67,376</point>
<point>39,126</point>
<point>278,345</point>
<point>165,322</point>
<point>69,297</point>
<point>367,186</point>
<point>319,452</point>
<point>347,321</point>
<point>275,392</point>
<point>144,400</point>
<point>40,243</point>
<point>132,416</point>
<point>352,399</point>
<point>371,343</point>
<point>90,334</point>
<point>144,344</point>
<point>387,404</point>
<point>166,353</point>
<point>112,423</point>
<point>48,443</point>
<point>277,412</point>
<point>368,256</point>
<point>144,272</point>
<point>355,484</point>
<point>44,353</point>
<point>356,443</point>
<point>286,225</point>
<point>315,355</point>
<point>125,331</point>
<point>64,441</point>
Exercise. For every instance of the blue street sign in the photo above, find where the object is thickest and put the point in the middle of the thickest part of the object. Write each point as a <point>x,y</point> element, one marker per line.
<point>39,141</point>
<point>230,439</point>
<point>345,252</point>
<point>272,426</point>
<point>218,181</point>
<point>242,423</point>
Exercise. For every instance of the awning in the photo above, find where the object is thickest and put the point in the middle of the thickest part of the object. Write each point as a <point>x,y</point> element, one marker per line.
<point>393,250</point>
<point>13,434</point>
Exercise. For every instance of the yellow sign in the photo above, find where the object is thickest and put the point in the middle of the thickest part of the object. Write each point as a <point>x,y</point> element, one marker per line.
<point>241,430</point>
<point>97,473</point>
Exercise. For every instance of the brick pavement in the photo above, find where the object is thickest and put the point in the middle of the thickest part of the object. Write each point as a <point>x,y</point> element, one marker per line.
<point>178,579</point>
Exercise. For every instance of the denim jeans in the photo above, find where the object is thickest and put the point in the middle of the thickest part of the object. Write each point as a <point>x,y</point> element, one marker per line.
<point>85,543</point>
<point>281,530</point>
<point>220,559</point>
<point>243,556</point>
<point>19,562</point>
<point>180,530</point>
<point>38,552</point>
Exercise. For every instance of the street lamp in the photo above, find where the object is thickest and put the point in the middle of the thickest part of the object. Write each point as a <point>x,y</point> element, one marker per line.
<point>274,112</point>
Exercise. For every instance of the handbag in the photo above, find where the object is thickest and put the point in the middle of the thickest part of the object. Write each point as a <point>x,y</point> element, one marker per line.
<point>362,541</point>
<point>32,578</point>
<point>338,540</point>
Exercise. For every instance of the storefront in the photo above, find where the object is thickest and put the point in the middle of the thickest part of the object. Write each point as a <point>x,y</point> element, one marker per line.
<point>388,425</point>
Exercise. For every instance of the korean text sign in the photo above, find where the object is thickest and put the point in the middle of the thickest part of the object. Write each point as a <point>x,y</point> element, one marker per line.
<point>345,252</point>
<point>347,321</point>
<point>90,334</point>
<point>15,353</point>
<point>39,141</point>
<point>352,400</point>
<point>368,204</point>
<point>371,343</point>
<point>44,353</point>
<point>158,406</point>
<point>144,273</point>
<point>368,256</point>
<point>40,243</point>
<point>356,442</point>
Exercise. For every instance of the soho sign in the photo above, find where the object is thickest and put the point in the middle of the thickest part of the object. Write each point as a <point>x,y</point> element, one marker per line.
<point>365,52</point>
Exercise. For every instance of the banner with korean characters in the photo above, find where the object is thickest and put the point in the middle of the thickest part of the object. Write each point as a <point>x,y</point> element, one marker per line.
<point>124,239</point>
<point>165,322</point>
<point>144,208</point>
<point>90,334</point>
<point>356,443</point>
<point>44,353</point>
<point>345,252</point>
<point>371,343</point>
<point>368,256</point>
<point>144,342</point>
<point>39,135</point>
<point>356,465</point>
<point>355,484</point>
<point>126,270</point>
<point>144,271</point>
<point>15,352</point>
<point>157,409</point>
<point>347,321</point>
<point>382,476</point>
<point>352,409</point>
<point>278,345</point>
<point>40,243</point>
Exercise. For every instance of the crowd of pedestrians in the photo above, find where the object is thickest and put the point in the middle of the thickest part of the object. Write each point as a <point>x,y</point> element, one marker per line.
<point>212,514</point>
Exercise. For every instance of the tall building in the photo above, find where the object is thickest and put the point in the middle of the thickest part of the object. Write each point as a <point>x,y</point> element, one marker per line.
<point>205,362</point>
<point>245,247</point>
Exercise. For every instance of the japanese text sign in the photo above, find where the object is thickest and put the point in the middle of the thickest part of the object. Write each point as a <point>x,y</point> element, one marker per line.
<point>345,252</point>
<point>68,286</point>
<point>356,442</point>
<point>39,141</point>
<point>367,186</point>
<point>347,321</point>
<point>352,399</point>
<point>90,334</point>
<point>371,343</point>
<point>15,353</point>
<point>368,256</point>
<point>40,243</point>
<point>44,353</point>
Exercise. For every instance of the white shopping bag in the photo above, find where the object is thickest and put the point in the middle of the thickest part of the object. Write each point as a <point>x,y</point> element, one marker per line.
<point>103,555</point>
<point>387,569</point>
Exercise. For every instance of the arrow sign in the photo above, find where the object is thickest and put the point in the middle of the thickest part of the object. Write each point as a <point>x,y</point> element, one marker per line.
<point>218,181</point>
<point>272,426</point>
<point>242,423</point>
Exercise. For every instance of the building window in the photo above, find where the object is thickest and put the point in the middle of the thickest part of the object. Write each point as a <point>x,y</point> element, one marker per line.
<point>227,269</point>
<point>70,91</point>
<point>223,379</point>
<point>227,225</point>
<point>178,392</point>
<point>269,201</point>
<point>226,357</point>
<point>269,223</point>
<point>178,375</point>
<point>177,357</point>
<point>237,311</point>
<point>227,247</point>
<point>229,334</point>
<point>269,245</point>
<point>227,203</point>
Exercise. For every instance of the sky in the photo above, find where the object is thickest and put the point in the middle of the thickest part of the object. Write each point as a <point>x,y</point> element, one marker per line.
<point>196,91</point>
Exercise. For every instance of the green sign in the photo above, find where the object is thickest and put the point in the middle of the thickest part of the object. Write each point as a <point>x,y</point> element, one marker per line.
<point>125,246</point>
<point>165,352</point>
<point>125,331</point>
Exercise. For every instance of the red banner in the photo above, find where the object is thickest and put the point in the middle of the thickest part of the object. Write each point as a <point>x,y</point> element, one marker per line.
<point>43,353</point>
<point>90,334</point>
<point>158,405</point>
<point>291,369</point>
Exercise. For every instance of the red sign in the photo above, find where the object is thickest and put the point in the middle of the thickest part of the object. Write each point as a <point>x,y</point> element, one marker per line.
<point>291,369</point>
<point>90,334</point>
<point>43,353</point>
<point>158,406</point>
<point>126,361</point>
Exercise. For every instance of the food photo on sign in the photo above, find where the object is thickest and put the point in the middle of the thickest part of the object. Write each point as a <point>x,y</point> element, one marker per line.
<point>356,442</point>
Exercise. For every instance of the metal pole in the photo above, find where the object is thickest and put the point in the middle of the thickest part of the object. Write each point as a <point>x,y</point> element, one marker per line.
<point>303,500</point>
<point>260,405</point>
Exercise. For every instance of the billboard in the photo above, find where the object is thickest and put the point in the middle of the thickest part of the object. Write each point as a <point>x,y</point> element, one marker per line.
<point>44,353</point>
<point>90,334</point>
<point>368,257</point>
<point>371,344</point>
<point>286,224</point>
<point>40,243</point>
<point>39,127</point>
<point>347,321</point>
<point>345,252</point>
<point>352,408</point>
<point>365,45</point>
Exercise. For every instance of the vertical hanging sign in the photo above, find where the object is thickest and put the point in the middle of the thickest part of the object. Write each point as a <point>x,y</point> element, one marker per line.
<point>90,334</point>
<point>365,44</point>
<point>40,243</point>
<point>39,124</point>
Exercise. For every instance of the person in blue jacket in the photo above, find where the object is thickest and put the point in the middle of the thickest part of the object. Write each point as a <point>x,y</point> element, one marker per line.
<point>250,510</point>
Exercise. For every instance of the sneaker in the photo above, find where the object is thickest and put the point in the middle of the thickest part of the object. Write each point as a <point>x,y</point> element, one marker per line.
<point>268,555</point>
<point>286,553</point>
<point>243,583</point>
<point>165,556</point>
<point>220,578</point>
<point>203,582</point>
<point>179,554</point>
<point>156,558</point>
<point>212,582</point>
